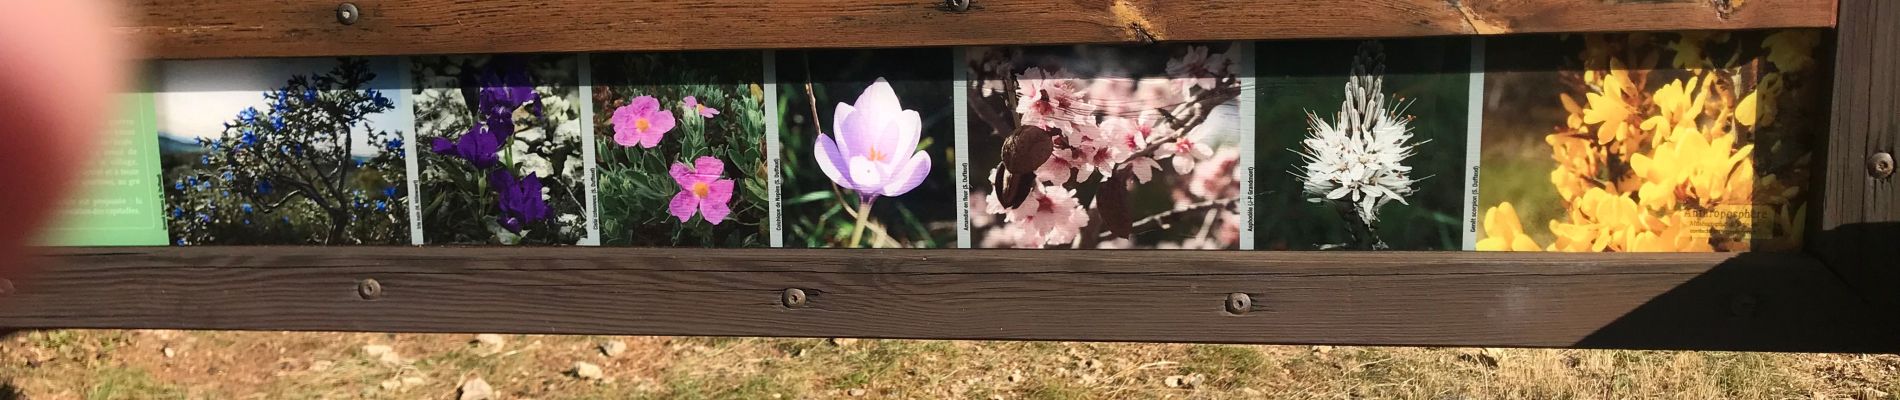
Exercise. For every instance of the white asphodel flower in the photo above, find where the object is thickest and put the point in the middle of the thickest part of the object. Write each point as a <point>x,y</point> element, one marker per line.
<point>1358,159</point>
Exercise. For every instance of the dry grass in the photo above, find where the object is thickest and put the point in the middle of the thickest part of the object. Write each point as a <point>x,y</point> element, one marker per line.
<point>276,365</point>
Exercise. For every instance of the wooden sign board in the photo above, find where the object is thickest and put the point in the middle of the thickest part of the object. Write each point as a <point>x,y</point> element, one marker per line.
<point>1700,178</point>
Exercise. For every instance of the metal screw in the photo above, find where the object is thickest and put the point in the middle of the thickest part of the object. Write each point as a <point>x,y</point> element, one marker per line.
<point>369,289</point>
<point>793,298</point>
<point>1743,305</point>
<point>347,13</point>
<point>957,5</point>
<point>1239,303</point>
<point>1880,165</point>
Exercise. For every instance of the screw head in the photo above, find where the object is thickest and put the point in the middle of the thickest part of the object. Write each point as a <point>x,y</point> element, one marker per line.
<point>957,5</point>
<point>1239,303</point>
<point>347,13</point>
<point>1880,165</point>
<point>793,298</point>
<point>369,289</point>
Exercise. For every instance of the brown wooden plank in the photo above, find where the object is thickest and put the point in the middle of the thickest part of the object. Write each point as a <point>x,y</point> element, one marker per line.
<point>1668,301</point>
<point>270,28</point>
<point>1860,218</point>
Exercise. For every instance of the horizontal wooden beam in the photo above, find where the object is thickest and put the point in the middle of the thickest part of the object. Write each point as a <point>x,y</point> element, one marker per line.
<point>275,28</point>
<point>1648,301</point>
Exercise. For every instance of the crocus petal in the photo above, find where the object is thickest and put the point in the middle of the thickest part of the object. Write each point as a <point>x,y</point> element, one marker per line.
<point>908,129</point>
<point>831,161</point>
<point>865,177</point>
<point>908,175</point>
<point>683,175</point>
<point>683,205</point>
<point>708,168</point>
<point>879,98</point>
<point>837,123</point>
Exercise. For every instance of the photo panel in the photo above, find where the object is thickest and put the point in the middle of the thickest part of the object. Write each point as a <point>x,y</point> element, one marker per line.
<point>501,149</point>
<point>868,142</point>
<point>681,149</point>
<point>1652,142</point>
<point>1362,144</point>
<point>283,151</point>
<point>118,201</point>
<point>1105,146</point>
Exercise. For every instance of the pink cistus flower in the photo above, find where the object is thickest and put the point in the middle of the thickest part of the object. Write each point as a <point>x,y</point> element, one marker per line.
<point>694,106</point>
<point>875,152</point>
<point>702,190</point>
<point>641,123</point>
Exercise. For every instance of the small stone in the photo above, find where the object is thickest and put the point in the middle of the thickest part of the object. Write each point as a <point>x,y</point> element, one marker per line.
<point>490,340</point>
<point>1322,350</point>
<point>856,392</point>
<point>321,365</point>
<point>383,353</point>
<point>169,353</point>
<point>588,371</point>
<point>1175,381</point>
<point>612,348</point>
<point>391,384</point>
<point>409,381</point>
<point>843,342</point>
<point>475,389</point>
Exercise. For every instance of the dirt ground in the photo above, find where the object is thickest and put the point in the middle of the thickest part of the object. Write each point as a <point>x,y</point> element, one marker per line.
<point>290,365</point>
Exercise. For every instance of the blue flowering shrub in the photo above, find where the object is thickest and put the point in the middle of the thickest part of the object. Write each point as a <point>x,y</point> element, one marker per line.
<point>713,103</point>
<point>501,148</point>
<point>296,171</point>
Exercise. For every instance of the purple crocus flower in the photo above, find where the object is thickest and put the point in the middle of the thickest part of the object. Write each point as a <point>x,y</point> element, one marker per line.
<point>875,152</point>
<point>521,202</point>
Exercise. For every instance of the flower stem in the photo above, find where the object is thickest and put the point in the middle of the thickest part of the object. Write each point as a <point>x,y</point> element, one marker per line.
<point>864,216</point>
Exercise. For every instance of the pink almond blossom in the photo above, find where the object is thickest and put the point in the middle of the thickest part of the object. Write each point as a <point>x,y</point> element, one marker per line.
<point>1051,100</point>
<point>641,123</point>
<point>703,190</point>
<point>1201,69</point>
<point>693,105</point>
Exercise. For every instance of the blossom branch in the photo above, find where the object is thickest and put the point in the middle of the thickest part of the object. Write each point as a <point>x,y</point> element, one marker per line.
<point>1158,221</point>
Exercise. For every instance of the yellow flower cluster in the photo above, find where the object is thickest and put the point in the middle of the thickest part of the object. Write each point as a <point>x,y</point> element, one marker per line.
<point>1671,168</point>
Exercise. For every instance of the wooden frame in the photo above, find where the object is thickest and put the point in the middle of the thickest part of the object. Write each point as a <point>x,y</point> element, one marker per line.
<point>1833,298</point>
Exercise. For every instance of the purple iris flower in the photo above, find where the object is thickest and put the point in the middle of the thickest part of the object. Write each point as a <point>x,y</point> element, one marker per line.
<point>480,146</point>
<point>521,202</point>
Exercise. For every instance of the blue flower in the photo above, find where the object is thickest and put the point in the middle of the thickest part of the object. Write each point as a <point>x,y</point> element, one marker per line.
<point>393,144</point>
<point>249,138</point>
<point>277,122</point>
<point>246,207</point>
<point>176,212</point>
<point>178,185</point>
<point>249,115</point>
<point>280,101</point>
<point>263,186</point>
<point>227,175</point>
<point>191,180</point>
<point>309,95</point>
<point>389,192</point>
<point>224,193</point>
<point>382,205</point>
<point>181,241</point>
<point>204,218</point>
<point>204,160</point>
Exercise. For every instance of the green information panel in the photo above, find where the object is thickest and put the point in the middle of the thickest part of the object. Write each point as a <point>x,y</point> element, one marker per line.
<point>118,202</point>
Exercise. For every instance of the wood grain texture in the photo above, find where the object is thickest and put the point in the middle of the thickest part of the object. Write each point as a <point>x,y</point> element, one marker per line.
<point>1860,218</point>
<point>1660,301</point>
<point>274,28</point>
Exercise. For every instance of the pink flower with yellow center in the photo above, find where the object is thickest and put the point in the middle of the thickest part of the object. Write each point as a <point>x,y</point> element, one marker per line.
<point>702,190</point>
<point>693,105</point>
<point>641,123</point>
